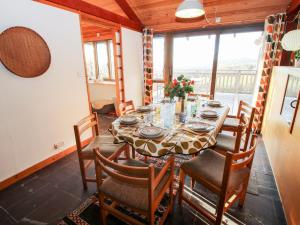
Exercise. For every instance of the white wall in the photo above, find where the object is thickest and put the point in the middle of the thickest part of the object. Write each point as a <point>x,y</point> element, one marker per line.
<point>37,112</point>
<point>132,44</point>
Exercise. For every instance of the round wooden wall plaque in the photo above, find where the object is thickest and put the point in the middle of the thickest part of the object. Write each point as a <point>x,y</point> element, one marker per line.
<point>24,52</point>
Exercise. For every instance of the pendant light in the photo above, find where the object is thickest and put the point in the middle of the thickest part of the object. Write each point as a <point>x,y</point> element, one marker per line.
<point>291,41</point>
<point>190,9</point>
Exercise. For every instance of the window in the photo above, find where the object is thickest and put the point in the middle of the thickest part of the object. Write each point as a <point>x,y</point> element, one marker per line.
<point>158,68</point>
<point>158,58</point>
<point>193,58</point>
<point>237,68</point>
<point>102,56</point>
<point>99,58</point>
<point>90,60</point>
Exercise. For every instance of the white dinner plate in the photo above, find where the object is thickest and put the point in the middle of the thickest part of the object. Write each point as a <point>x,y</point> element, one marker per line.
<point>200,127</point>
<point>214,103</point>
<point>145,108</point>
<point>151,132</point>
<point>209,114</point>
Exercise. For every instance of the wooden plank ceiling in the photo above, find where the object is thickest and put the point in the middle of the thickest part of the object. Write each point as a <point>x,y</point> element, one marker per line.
<point>160,14</point>
<point>94,29</point>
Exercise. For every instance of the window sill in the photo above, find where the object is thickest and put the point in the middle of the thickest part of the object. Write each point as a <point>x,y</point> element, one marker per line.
<point>102,82</point>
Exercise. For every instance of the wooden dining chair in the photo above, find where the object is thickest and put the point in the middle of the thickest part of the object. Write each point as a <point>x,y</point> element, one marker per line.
<point>104,142</point>
<point>133,184</point>
<point>126,107</point>
<point>227,176</point>
<point>233,120</point>
<point>226,142</point>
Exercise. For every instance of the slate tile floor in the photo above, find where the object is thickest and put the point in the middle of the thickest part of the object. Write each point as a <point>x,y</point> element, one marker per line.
<point>48,195</point>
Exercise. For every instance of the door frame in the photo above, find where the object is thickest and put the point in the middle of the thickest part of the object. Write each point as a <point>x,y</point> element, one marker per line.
<point>120,92</point>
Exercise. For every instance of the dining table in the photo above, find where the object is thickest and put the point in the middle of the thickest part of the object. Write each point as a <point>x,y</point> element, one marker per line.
<point>177,138</point>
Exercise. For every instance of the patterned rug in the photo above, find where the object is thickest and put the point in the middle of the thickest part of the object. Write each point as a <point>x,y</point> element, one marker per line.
<point>88,213</point>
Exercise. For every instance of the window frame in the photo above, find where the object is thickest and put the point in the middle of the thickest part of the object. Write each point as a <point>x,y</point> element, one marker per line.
<point>109,59</point>
<point>164,52</point>
<point>163,80</point>
<point>169,38</point>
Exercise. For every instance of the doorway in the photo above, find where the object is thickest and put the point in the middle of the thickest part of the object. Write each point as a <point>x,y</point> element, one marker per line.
<point>102,51</point>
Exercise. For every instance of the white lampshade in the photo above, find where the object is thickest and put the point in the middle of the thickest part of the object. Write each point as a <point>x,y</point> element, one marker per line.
<point>190,9</point>
<point>291,40</point>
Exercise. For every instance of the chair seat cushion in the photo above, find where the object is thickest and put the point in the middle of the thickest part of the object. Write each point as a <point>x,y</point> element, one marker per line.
<point>231,122</point>
<point>225,142</point>
<point>106,145</point>
<point>130,194</point>
<point>208,168</point>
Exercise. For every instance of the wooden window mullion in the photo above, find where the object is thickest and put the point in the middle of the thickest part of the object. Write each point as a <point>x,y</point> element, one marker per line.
<point>96,59</point>
<point>168,58</point>
<point>108,60</point>
<point>215,65</point>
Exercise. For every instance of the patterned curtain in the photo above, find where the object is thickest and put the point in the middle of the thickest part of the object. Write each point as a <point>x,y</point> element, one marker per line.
<point>274,29</point>
<point>148,65</point>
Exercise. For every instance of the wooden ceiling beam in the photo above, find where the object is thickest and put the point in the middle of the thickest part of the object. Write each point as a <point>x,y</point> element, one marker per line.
<point>90,38</point>
<point>96,11</point>
<point>128,11</point>
<point>93,23</point>
<point>93,30</point>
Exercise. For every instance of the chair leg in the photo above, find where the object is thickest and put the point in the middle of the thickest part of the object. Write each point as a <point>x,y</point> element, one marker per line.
<point>192,183</point>
<point>133,152</point>
<point>220,209</point>
<point>145,159</point>
<point>127,152</point>
<point>181,185</point>
<point>243,195</point>
<point>82,171</point>
<point>171,198</point>
<point>102,211</point>
<point>151,218</point>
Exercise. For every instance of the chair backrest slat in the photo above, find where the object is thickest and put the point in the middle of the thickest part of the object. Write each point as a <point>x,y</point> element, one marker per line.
<point>243,103</point>
<point>243,159</point>
<point>87,126</point>
<point>240,165</point>
<point>86,119</point>
<point>246,111</point>
<point>138,176</point>
<point>245,108</point>
<point>241,130</point>
<point>126,107</point>
<point>137,181</point>
<point>84,124</point>
<point>249,112</point>
<point>140,171</point>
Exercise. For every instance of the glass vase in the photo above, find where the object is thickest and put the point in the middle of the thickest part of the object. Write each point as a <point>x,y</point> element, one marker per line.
<point>167,113</point>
